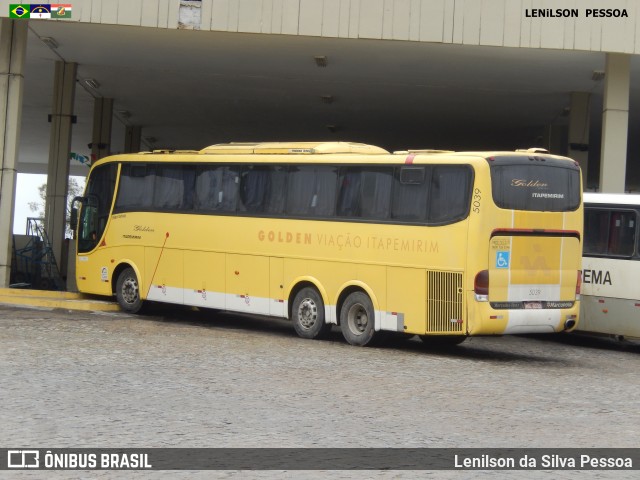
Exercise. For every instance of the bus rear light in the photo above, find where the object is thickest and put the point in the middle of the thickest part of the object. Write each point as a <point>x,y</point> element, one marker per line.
<point>578,284</point>
<point>481,286</point>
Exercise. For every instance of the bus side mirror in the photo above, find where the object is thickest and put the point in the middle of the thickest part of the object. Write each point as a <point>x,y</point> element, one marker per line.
<point>73,220</point>
<point>73,217</point>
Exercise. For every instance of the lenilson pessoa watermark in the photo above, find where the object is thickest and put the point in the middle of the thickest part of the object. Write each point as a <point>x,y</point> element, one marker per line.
<point>544,462</point>
<point>576,13</point>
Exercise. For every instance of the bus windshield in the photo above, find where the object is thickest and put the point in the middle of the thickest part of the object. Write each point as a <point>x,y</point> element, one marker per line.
<point>542,185</point>
<point>96,208</point>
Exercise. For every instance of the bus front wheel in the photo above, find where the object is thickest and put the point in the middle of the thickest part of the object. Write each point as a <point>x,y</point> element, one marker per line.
<point>128,291</point>
<point>307,313</point>
<point>357,319</point>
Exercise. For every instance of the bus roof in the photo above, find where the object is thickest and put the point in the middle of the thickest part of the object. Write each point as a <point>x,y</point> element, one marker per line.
<point>612,198</point>
<point>310,152</point>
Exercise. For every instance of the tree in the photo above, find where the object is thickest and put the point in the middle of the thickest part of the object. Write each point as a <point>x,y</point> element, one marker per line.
<point>74,189</point>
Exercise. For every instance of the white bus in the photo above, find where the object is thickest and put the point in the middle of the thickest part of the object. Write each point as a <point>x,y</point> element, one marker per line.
<point>611,266</point>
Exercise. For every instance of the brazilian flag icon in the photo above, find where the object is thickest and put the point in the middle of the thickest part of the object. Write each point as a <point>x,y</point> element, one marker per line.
<point>19,11</point>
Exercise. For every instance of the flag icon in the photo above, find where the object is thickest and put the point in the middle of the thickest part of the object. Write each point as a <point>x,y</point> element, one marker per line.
<point>60,10</point>
<point>18,11</point>
<point>41,10</point>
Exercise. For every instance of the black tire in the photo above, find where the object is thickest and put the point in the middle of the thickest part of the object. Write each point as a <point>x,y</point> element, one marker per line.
<point>441,341</point>
<point>357,320</point>
<point>307,314</point>
<point>128,291</point>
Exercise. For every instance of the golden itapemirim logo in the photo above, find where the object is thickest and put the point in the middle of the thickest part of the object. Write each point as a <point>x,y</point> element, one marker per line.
<point>348,241</point>
<point>516,182</point>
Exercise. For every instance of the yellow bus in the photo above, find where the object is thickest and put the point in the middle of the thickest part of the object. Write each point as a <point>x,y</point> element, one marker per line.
<point>440,244</point>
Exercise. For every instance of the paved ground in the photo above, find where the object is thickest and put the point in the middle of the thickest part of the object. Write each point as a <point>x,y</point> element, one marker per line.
<point>180,378</point>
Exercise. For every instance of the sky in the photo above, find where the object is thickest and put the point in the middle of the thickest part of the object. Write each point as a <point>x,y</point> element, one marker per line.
<point>27,191</point>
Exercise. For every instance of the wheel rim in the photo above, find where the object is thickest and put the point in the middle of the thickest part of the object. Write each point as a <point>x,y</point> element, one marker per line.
<point>357,319</point>
<point>130,290</point>
<point>307,313</point>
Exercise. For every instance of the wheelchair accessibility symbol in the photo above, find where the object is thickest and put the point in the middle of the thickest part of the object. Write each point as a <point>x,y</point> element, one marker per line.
<point>502,259</point>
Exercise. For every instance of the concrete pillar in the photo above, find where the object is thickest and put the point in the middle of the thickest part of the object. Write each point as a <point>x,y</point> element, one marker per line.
<point>72,285</point>
<point>579,131</point>
<point>102,117</point>
<point>13,48</point>
<point>132,138</point>
<point>55,213</point>
<point>615,124</point>
<point>554,139</point>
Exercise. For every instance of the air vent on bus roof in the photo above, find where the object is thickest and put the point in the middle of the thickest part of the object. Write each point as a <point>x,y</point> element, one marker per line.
<point>533,150</point>
<point>167,150</point>
<point>293,148</point>
<point>164,151</point>
<point>426,151</point>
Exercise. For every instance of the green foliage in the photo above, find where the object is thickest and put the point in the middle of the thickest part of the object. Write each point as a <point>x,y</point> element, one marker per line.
<point>74,189</point>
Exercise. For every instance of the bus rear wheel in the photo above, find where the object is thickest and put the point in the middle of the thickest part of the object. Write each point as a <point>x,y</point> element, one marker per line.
<point>307,313</point>
<point>128,291</point>
<point>357,320</point>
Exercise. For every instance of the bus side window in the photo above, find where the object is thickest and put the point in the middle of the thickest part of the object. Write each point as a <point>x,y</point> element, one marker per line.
<point>622,233</point>
<point>312,190</point>
<point>596,231</point>
<point>349,197</point>
<point>168,192</point>
<point>450,189</point>
<point>376,193</point>
<point>136,187</point>
<point>216,188</point>
<point>254,184</point>
<point>189,180</point>
<point>88,235</point>
<point>277,191</point>
<point>365,192</point>
<point>324,201</point>
<point>410,191</point>
<point>609,232</point>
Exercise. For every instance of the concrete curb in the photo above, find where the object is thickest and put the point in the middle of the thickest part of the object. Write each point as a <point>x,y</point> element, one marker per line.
<point>53,299</point>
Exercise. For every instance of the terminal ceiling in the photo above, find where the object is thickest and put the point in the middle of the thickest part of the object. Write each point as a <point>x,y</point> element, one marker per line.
<point>189,89</point>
